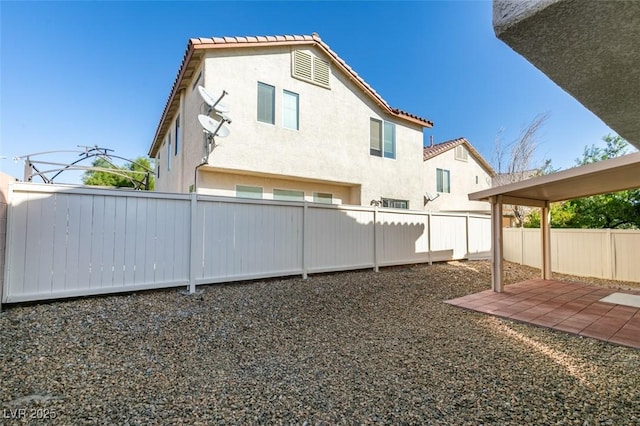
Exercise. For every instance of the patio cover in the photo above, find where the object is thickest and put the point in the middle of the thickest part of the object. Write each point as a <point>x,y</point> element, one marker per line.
<point>617,174</point>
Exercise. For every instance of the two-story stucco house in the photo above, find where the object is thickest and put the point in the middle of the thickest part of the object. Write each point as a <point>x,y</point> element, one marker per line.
<point>304,126</point>
<point>452,170</point>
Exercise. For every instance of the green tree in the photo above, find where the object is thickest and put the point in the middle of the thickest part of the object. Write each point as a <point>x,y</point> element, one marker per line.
<point>128,176</point>
<point>615,210</point>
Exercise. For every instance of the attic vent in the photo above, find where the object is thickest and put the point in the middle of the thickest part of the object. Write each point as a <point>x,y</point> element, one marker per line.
<point>310,68</point>
<point>302,65</point>
<point>461,153</point>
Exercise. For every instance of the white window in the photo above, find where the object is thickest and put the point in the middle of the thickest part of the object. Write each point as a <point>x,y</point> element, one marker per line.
<point>395,204</point>
<point>288,195</point>
<point>158,165</point>
<point>243,191</point>
<point>443,181</point>
<point>290,110</point>
<point>461,153</point>
<point>382,138</point>
<point>310,68</point>
<point>266,103</point>
<point>322,197</point>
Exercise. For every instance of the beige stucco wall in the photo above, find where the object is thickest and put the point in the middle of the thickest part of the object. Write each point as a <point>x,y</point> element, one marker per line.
<point>463,181</point>
<point>223,183</point>
<point>332,143</point>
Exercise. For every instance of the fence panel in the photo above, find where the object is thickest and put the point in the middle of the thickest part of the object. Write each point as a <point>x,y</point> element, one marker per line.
<point>73,242</point>
<point>625,255</point>
<point>600,253</point>
<point>338,238</point>
<point>65,241</point>
<point>448,237</point>
<point>244,240</point>
<point>401,238</point>
<point>479,237</point>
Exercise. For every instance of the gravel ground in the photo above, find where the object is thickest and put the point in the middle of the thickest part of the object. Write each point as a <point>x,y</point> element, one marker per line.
<point>344,348</point>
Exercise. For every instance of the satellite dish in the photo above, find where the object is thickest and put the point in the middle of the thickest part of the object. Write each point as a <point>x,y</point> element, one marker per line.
<point>428,197</point>
<point>213,127</point>
<point>212,101</point>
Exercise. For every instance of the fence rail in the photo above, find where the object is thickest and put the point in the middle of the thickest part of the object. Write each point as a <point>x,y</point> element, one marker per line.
<point>601,253</point>
<point>65,241</point>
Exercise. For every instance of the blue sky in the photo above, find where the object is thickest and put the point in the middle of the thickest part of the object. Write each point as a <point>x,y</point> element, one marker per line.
<point>99,73</point>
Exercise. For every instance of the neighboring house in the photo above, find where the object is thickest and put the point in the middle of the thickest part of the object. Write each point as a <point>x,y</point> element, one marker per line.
<point>304,126</point>
<point>451,171</point>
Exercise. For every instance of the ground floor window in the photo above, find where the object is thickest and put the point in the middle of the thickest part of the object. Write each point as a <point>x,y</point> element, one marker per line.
<point>288,195</point>
<point>395,204</point>
<point>243,191</point>
<point>322,197</point>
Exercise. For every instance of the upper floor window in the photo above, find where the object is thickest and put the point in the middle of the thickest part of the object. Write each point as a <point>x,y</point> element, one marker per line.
<point>290,110</point>
<point>308,67</point>
<point>461,153</point>
<point>243,191</point>
<point>443,181</point>
<point>177,138</point>
<point>395,204</point>
<point>266,103</point>
<point>158,165</point>
<point>382,138</point>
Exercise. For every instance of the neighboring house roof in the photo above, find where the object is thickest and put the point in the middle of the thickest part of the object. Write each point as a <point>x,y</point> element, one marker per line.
<point>440,148</point>
<point>195,53</point>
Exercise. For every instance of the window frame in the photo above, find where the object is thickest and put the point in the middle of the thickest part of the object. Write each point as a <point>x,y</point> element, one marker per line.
<point>251,187</point>
<point>393,201</point>
<point>290,191</point>
<point>323,200</point>
<point>386,139</point>
<point>285,110</point>
<point>377,152</point>
<point>273,103</point>
<point>443,186</point>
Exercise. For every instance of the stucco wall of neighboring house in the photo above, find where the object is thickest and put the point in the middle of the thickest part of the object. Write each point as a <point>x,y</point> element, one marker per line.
<point>332,143</point>
<point>223,183</point>
<point>463,181</point>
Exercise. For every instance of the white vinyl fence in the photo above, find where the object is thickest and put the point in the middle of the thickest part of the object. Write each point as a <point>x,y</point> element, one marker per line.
<point>65,241</point>
<point>600,253</point>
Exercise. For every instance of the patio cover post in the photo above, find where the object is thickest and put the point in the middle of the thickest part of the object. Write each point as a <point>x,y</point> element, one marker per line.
<point>497,271</point>
<point>545,231</point>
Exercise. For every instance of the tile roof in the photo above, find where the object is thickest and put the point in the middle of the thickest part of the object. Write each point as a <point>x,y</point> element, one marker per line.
<point>194,54</point>
<point>442,147</point>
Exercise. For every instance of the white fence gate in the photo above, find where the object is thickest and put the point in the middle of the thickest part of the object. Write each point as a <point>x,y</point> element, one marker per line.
<point>65,241</point>
<point>601,253</point>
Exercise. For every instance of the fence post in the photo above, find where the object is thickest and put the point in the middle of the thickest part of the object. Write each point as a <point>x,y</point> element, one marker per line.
<point>305,221</point>
<point>467,236</point>
<point>522,245</point>
<point>192,243</point>
<point>375,239</point>
<point>611,256</point>
<point>429,237</point>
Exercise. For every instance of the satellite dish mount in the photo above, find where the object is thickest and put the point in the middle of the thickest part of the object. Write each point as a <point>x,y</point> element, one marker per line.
<point>214,126</point>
